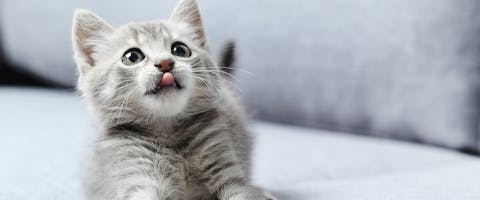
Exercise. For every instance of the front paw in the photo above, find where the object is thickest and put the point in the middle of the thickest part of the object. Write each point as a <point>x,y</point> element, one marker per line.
<point>268,195</point>
<point>247,193</point>
<point>252,197</point>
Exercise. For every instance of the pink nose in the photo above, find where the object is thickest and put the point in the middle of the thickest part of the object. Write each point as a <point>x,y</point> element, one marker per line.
<point>165,65</point>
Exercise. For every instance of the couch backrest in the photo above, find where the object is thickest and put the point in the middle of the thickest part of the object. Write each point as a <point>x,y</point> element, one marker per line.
<point>403,68</point>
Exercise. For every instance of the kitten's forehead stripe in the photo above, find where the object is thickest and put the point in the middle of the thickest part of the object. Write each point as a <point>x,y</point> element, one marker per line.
<point>167,35</point>
<point>135,35</point>
<point>153,31</point>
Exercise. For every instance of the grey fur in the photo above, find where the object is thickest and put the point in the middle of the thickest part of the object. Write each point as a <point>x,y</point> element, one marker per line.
<point>186,144</point>
<point>227,57</point>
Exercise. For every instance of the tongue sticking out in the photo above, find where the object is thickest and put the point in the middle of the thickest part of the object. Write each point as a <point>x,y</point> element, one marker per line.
<point>167,79</point>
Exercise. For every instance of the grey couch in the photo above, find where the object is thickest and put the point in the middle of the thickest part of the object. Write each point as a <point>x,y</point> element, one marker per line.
<point>352,99</point>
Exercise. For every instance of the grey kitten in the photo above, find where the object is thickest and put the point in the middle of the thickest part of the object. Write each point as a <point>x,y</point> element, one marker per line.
<point>171,128</point>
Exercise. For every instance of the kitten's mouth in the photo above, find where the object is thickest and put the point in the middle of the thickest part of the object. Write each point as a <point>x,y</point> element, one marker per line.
<point>167,82</point>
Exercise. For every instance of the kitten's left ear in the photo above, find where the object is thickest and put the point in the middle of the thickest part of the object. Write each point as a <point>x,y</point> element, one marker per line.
<point>187,11</point>
<point>88,29</point>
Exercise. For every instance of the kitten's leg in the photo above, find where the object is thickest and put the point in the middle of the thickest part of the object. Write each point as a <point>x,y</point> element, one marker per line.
<point>235,191</point>
<point>135,169</point>
<point>220,169</point>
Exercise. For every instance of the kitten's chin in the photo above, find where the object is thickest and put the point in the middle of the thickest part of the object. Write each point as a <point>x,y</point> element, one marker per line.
<point>166,104</point>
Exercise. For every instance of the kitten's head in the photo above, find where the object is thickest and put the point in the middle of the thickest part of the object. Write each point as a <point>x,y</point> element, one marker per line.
<point>149,69</point>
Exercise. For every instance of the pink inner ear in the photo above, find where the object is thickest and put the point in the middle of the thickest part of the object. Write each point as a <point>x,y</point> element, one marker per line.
<point>187,11</point>
<point>86,26</point>
<point>87,51</point>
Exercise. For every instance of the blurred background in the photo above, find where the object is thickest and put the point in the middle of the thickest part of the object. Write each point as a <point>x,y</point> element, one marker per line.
<point>343,88</point>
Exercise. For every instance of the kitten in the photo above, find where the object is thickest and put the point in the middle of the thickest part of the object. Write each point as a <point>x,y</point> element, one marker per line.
<point>171,128</point>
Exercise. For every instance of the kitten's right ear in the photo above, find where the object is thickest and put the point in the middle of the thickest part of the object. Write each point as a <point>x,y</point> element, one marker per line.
<point>88,29</point>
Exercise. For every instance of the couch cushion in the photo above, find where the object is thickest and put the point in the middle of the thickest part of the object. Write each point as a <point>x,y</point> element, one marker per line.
<point>402,69</point>
<point>45,133</point>
<point>299,163</point>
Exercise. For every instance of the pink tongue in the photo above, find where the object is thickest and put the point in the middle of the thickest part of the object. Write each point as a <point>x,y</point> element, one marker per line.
<point>167,79</point>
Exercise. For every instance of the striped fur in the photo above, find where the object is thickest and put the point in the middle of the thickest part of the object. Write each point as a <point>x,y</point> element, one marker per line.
<point>191,143</point>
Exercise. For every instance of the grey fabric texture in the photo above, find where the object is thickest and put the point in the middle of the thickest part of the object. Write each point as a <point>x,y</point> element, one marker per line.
<point>403,69</point>
<point>45,134</point>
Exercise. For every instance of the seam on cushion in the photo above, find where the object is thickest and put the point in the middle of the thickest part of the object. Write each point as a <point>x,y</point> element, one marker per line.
<point>477,139</point>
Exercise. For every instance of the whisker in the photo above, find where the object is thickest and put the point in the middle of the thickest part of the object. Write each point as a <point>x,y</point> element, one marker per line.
<point>215,71</point>
<point>237,69</point>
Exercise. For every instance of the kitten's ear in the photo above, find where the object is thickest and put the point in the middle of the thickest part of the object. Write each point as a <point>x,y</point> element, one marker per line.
<point>187,11</point>
<point>88,29</point>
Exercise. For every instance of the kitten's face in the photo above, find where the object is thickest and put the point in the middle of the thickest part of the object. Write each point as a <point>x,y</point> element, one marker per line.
<point>153,63</point>
<point>152,68</point>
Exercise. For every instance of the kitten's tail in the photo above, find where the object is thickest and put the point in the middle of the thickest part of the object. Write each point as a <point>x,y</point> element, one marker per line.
<point>227,58</point>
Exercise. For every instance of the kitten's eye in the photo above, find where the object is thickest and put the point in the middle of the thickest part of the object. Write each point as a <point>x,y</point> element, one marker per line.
<point>132,56</point>
<point>181,50</point>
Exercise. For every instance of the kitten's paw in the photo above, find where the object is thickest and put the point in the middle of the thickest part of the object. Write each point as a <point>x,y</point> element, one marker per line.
<point>249,193</point>
<point>269,195</point>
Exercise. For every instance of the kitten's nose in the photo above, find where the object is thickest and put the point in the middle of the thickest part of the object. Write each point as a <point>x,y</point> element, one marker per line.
<point>165,65</point>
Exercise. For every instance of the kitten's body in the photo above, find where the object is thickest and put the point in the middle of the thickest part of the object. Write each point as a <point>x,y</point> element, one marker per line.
<point>160,139</point>
<point>173,158</point>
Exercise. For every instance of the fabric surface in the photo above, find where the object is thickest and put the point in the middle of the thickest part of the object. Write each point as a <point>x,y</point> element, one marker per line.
<point>402,69</point>
<point>46,132</point>
<point>298,163</point>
